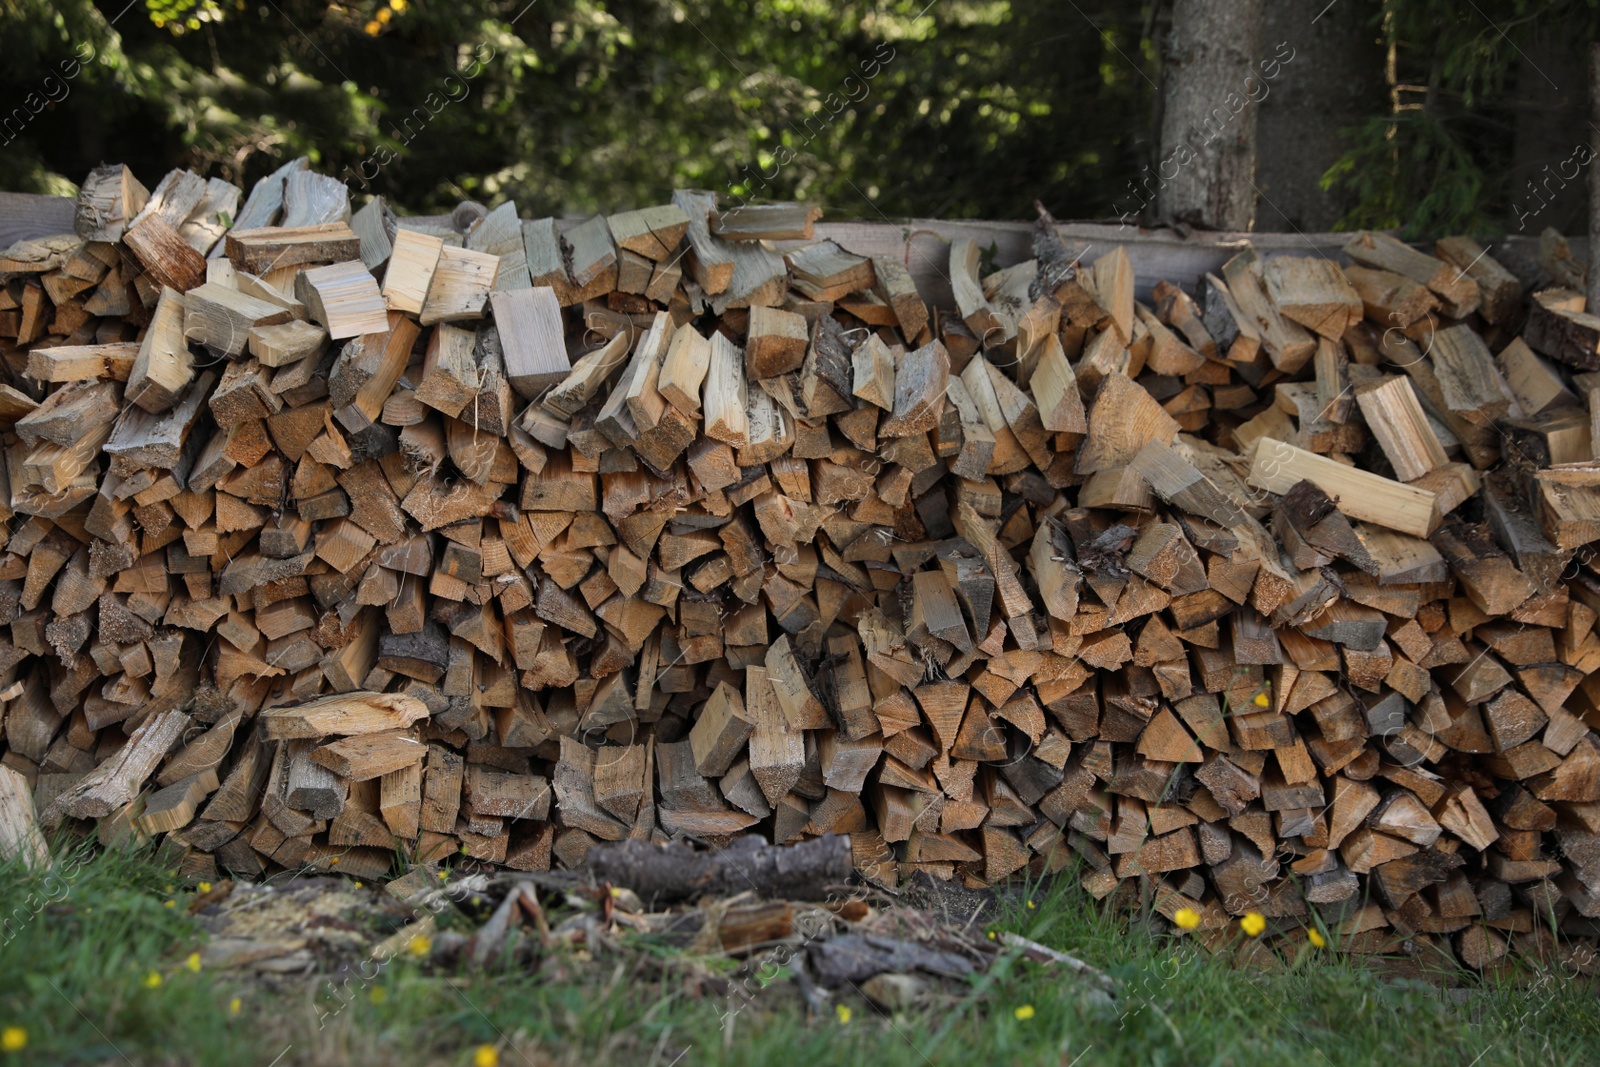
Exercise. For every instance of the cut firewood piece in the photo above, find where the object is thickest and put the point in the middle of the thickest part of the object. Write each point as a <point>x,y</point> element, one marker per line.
<point>532,340</point>
<point>1396,419</point>
<point>118,780</point>
<point>873,373</point>
<point>726,394</point>
<point>894,286</point>
<point>344,298</point>
<point>826,272</point>
<point>164,366</point>
<point>1122,420</point>
<point>170,260</point>
<point>1498,289</point>
<point>109,198</point>
<point>683,370</point>
<point>412,263</point>
<point>460,286</point>
<point>720,733</point>
<point>1312,291</point>
<point>221,318</point>
<point>654,232</point>
<point>1055,391</point>
<point>286,344</point>
<point>1389,298</point>
<point>776,344</point>
<point>369,755</point>
<point>766,222</point>
<point>81,363</point>
<point>345,715</point>
<point>777,748</point>
<point>1458,293</point>
<point>260,250</point>
<point>1287,344</point>
<point>1358,494</point>
<point>711,260</point>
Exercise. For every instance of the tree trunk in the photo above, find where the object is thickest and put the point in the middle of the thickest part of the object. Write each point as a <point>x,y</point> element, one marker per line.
<point>1335,81</point>
<point>1206,170</point>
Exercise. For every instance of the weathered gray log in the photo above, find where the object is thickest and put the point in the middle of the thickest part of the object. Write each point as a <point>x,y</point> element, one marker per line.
<point>672,872</point>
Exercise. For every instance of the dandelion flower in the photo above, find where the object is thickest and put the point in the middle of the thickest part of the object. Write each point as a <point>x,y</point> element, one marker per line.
<point>1024,1013</point>
<point>373,28</point>
<point>1186,918</point>
<point>843,1012</point>
<point>152,980</point>
<point>419,945</point>
<point>1315,937</point>
<point>235,1006</point>
<point>1253,923</point>
<point>193,962</point>
<point>13,1039</point>
<point>204,887</point>
<point>485,1056</point>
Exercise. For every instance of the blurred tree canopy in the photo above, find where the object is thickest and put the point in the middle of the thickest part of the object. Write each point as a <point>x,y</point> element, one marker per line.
<point>971,109</point>
<point>887,109</point>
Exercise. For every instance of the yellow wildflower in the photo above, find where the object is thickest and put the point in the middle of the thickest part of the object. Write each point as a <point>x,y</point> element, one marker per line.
<point>1253,923</point>
<point>358,885</point>
<point>373,28</point>
<point>443,875</point>
<point>384,15</point>
<point>204,887</point>
<point>13,1039</point>
<point>419,945</point>
<point>378,994</point>
<point>843,1012</point>
<point>193,962</point>
<point>398,5</point>
<point>1261,700</point>
<point>172,903</point>
<point>152,980</point>
<point>235,1006</point>
<point>1024,1013</point>
<point>485,1056</point>
<point>1186,918</point>
<point>1031,905</point>
<point>1315,937</point>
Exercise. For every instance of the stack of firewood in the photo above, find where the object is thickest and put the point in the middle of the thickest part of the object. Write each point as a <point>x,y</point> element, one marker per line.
<point>331,535</point>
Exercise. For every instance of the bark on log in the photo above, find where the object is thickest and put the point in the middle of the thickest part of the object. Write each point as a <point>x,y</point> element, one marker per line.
<point>662,874</point>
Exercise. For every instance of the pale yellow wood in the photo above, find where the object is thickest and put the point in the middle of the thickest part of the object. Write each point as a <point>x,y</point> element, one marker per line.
<point>1359,494</point>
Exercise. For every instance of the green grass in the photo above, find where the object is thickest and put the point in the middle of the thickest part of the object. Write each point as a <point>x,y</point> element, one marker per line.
<point>74,974</point>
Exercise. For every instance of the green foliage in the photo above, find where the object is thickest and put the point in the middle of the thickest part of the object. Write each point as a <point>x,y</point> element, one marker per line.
<point>1443,161</point>
<point>1410,173</point>
<point>970,107</point>
<point>873,108</point>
